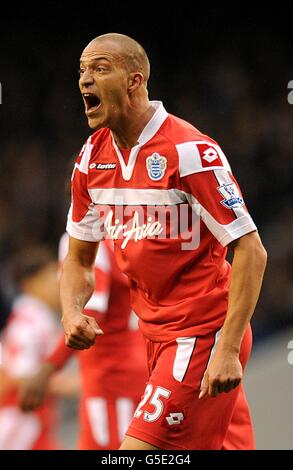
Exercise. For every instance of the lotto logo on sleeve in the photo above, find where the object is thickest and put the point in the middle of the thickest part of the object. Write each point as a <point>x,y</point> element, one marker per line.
<point>209,155</point>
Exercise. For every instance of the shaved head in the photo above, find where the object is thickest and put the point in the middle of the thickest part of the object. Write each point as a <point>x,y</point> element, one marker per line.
<point>133,54</point>
<point>114,71</point>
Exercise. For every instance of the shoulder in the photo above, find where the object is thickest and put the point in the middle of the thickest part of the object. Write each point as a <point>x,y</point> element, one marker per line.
<point>30,320</point>
<point>178,130</point>
<point>91,146</point>
<point>98,137</point>
<point>196,151</point>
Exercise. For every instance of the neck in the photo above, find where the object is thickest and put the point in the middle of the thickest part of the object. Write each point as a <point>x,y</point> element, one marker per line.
<point>127,132</point>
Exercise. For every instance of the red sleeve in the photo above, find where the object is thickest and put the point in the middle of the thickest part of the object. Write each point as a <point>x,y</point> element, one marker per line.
<point>212,191</point>
<point>83,220</point>
<point>61,354</point>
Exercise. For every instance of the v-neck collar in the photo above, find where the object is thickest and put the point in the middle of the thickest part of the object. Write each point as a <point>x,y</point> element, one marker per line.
<point>148,132</point>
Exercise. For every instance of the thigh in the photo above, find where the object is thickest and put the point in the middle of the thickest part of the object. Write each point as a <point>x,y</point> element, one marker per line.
<point>240,435</point>
<point>170,415</point>
<point>131,443</point>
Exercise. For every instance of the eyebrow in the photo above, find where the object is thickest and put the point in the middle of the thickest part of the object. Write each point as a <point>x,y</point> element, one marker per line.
<point>94,59</point>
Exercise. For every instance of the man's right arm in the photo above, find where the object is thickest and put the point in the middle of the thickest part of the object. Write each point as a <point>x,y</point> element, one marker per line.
<point>76,287</point>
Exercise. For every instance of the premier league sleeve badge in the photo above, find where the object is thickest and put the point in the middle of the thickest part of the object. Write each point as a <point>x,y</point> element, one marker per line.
<point>232,198</point>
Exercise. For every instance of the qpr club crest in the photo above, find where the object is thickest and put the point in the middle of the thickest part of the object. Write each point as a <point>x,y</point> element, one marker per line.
<point>156,166</point>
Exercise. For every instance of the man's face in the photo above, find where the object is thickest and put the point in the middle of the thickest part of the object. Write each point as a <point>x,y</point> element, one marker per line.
<point>103,83</point>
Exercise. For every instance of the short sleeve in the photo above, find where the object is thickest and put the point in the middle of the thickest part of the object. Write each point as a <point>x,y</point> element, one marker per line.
<point>83,221</point>
<point>212,190</point>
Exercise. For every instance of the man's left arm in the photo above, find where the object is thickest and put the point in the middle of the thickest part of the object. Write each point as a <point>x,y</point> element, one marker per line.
<point>215,196</point>
<point>224,371</point>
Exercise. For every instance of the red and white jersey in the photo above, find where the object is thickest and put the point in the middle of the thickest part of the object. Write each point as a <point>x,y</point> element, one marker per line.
<point>29,336</point>
<point>171,206</point>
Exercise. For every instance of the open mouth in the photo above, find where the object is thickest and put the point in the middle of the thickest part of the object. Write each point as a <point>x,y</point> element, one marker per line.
<point>92,102</point>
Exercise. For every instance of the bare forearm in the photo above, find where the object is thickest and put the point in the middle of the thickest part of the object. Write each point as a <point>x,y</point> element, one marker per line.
<point>76,286</point>
<point>65,384</point>
<point>225,371</point>
<point>246,279</point>
<point>7,382</point>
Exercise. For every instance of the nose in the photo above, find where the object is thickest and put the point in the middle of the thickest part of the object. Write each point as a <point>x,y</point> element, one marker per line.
<point>86,78</point>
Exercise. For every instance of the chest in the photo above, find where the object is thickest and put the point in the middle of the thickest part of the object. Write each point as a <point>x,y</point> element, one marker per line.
<point>153,165</point>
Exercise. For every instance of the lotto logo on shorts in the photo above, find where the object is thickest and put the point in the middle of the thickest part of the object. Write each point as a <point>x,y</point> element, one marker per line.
<point>209,155</point>
<point>174,418</point>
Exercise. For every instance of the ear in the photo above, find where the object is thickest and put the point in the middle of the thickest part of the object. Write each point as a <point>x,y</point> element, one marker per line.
<point>136,79</point>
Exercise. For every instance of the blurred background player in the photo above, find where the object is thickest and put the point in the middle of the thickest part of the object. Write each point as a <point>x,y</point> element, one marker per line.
<point>28,337</point>
<point>113,372</point>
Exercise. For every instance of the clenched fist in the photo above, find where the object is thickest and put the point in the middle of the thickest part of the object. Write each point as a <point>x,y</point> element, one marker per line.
<point>80,330</point>
<point>223,374</point>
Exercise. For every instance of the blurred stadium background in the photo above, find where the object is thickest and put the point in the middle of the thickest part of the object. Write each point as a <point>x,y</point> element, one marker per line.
<point>226,75</point>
